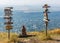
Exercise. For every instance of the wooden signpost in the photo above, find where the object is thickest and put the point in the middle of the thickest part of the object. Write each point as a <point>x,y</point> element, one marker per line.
<point>46,20</point>
<point>8,18</point>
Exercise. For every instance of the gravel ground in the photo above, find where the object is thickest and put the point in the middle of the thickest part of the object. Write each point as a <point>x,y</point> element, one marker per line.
<point>33,40</point>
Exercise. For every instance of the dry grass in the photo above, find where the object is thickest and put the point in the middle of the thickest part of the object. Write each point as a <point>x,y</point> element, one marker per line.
<point>39,35</point>
<point>4,37</point>
<point>55,31</point>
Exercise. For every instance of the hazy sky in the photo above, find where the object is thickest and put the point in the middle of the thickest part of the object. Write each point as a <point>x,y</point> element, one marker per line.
<point>30,4</point>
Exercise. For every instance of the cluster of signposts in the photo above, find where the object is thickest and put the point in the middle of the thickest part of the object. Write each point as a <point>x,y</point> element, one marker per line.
<point>8,18</point>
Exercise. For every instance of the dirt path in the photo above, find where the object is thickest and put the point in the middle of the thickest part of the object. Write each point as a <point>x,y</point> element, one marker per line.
<point>56,39</point>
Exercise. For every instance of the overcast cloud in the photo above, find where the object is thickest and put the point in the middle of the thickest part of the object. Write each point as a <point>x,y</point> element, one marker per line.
<point>29,4</point>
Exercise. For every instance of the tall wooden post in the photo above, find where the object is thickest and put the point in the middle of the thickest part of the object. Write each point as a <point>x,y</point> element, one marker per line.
<point>46,16</point>
<point>8,18</point>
